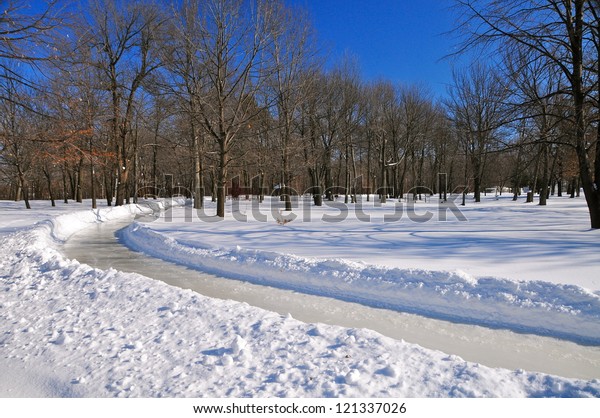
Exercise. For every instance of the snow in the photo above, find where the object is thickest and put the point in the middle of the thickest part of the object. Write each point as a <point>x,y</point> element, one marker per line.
<point>560,308</point>
<point>70,330</point>
<point>499,238</point>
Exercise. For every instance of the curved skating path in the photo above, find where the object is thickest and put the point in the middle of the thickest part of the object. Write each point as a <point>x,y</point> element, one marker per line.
<point>98,246</point>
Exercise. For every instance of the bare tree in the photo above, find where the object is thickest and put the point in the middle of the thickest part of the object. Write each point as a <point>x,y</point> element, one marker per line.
<point>292,52</point>
<point>416,117</point>
<point>22,35</point>
<point>233,38</point>
<point>188,81</point>
<point>559,31</point>
<point>122,37</point>
<point>476,106</point>
<point>535,84</point>
<point>318,163</point>
<point>16,149</point>
<point>381,124</point>
<point>25,38</point>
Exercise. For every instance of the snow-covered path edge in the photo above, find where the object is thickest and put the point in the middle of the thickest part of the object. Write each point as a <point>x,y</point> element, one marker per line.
<point>543,308</point>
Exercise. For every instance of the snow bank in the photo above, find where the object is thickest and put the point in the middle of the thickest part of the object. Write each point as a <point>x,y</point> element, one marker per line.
<point>564,311</point>
<point>63,226</point>
<point>67,329</point>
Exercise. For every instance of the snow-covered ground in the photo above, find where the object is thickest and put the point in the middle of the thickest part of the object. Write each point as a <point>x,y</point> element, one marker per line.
<point>68,329</point>
<point>470,260</point>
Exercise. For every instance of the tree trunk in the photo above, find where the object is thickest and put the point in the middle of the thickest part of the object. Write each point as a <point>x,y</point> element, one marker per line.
<point>78,186</point>
<point>477,178</point>
<point>590,189</point>
<point>49,182</point>
<point>477,188</point>
<point>92,179</point>
<point>382,195</point>
<point>222,181</point>
<point>516,183</point>
<point>347,176</point>
<point>198,189</point>
<point>586,174</point>
<point>369,168</point>
<point>122,178</point>
<point>544,182</point>
<point>108,185</point>
<point>285,190</point>
<point>64,184</point>
<point>354,177</point>
<point>328,178</point>
<point>25,188</point>
<point>572,186</point>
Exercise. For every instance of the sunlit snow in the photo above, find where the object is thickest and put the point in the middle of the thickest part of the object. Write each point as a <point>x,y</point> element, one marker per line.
<point>68,329</point>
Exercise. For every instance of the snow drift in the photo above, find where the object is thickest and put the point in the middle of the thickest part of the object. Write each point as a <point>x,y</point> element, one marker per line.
<point>563,311</point>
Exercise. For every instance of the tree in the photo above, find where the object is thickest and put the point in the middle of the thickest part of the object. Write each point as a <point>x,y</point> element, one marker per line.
<point>123,37</point>
<point>475,105</point>
<point>352,113</point>
<point>233,38</point>
<point>563,32</point>
<point>535,100</point>
<point>184,59</point>
<point>291,52</point>
<point>16,149</point>
<point>21,34</point>
<point>416,120</point>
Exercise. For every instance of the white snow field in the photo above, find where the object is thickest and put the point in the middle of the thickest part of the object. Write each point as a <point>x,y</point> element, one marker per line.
<point>385,263</point>
<point>70,330</point>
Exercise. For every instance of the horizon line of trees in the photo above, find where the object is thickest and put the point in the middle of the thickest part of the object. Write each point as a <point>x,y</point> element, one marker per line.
<point>114,99</point>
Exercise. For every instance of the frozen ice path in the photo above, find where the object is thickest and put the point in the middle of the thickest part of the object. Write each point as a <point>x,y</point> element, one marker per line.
<point>98,247</point>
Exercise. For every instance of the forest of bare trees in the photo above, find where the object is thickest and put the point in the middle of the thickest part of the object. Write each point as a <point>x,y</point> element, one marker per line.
<point>116,99</point>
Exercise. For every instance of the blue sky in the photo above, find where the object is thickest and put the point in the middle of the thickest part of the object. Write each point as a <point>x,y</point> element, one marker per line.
<point>403,41</point>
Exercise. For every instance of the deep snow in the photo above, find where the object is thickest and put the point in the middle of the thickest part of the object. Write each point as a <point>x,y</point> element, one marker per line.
<point>70,330</point>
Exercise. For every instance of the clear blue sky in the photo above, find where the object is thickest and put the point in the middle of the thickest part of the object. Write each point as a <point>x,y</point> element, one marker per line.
<point>403,41</point>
